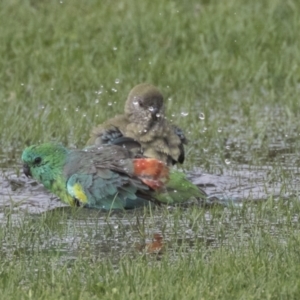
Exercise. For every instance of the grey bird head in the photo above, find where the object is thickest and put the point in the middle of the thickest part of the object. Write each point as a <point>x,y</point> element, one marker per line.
<point>144,104</point>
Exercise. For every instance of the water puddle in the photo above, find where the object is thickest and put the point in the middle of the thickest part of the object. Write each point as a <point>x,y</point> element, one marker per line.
<point>91,233</point>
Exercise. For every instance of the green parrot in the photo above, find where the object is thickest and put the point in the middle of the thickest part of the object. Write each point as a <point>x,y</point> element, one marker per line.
<point>145,122</point>
<point>107,177</point>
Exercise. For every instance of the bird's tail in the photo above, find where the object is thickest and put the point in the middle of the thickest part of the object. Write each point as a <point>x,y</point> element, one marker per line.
<point>153,172</point>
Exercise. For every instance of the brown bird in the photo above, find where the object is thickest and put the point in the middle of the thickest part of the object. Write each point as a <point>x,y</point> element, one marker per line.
<point>145,122</point>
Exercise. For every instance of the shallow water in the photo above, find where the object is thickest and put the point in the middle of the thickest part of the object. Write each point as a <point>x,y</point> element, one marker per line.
<point>94,234</point>
<point>234,186</point>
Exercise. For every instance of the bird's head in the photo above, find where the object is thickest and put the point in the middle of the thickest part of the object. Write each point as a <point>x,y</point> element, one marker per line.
<point>43,162</point>
<point>144,104</point>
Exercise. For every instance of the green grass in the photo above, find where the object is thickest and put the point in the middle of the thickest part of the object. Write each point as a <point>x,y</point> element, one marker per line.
<point>68,66</point>
<point>251,253</point>
<point>235,62</point>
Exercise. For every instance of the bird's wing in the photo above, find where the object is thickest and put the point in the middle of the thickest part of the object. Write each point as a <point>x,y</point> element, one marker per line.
<point>107,132</point>
<point>179,132</point>
<point>106,190</point>
<point>106,177</point>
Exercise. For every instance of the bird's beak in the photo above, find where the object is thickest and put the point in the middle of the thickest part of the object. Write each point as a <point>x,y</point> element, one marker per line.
<point>154,111</point>
<point>26,170</point>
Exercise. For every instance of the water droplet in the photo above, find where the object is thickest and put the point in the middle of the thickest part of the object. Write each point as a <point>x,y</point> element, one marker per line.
<point>97,101</point>
<point>150,62</point>
<point>52,89</point>
<point>169,99</point>
<point>65,108</point>
<point>77,109</point>
<point>220,129</point>
<point>184,114</point>
<point>114,90</point>
<point>22,84</point>
<point>109,103</point>
<point>61,2</point>
<point>158,115</point>
<point>99,92</point>
<point>115,48</point>
<point>227,161</point>
<point>227,147</point>
<point>117,81</point>
<point>205,150</point>
<point>201,116</point>
<point>139,59</point>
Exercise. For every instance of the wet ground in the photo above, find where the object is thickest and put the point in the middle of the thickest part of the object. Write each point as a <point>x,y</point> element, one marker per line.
<point>92,234</point>
<point>235,185</point>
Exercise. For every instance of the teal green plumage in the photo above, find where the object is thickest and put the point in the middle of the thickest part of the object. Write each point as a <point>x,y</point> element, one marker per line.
<point>95,178</point>
<point>179,189</point>
<point>102,178</point>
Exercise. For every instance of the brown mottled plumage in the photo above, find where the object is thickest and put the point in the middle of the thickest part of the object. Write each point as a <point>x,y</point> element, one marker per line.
<point>144,121</point>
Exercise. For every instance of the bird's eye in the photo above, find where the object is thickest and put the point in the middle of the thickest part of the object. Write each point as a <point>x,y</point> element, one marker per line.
<point>141,103</point>
<point>37,160</point>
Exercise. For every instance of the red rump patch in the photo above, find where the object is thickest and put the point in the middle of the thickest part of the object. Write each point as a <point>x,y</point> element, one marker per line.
<point>151,171</point>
